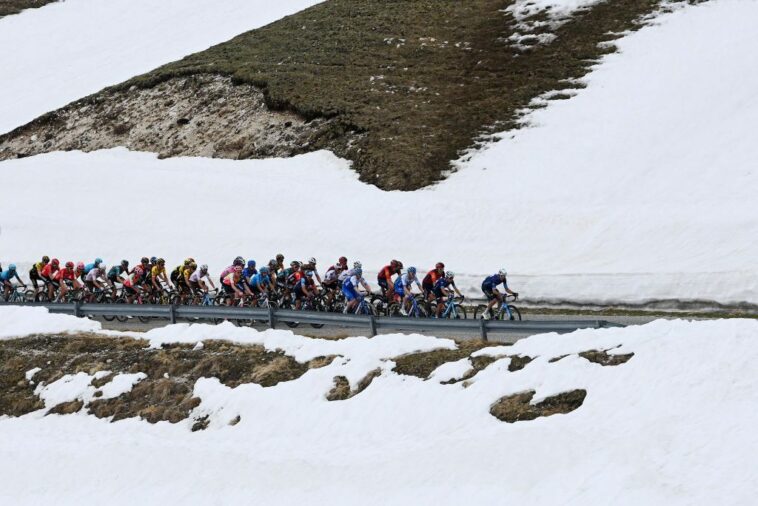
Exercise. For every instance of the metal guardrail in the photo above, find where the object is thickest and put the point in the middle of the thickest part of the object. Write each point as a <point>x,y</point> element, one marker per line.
<point>273,316</point>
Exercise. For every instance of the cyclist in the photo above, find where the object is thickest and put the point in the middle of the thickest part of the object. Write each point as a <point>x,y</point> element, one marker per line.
<point>65,276</point>
<point>431,278</point>
<point>234,286</point>
<point>158,274</point>
<point>279,262</point>
<point>34,272</point>
<point>239,261</point>
<point>442,289</point>
<point>305,288</point>
<point>403,289</point>
<point>134,283</point>
<point>350,286</point>
<point>249,271</point>
<point>384,278</point>
<point>196,280</point>
<point>311,266</point>
<point>6,278</point>
<point>46,275</point>
<point>115,272</point>
<point>79,272</point>
<point>272,267</point>
<point>94,276</point>
<point>284,275</point>
<point>489,287</point>
<point>331,283</point>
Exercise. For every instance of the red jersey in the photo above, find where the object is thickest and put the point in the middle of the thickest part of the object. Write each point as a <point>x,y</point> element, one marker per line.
<point>385,273</point>
<point>64,274</point>
<point>431,278</point>
<point>48,271</point>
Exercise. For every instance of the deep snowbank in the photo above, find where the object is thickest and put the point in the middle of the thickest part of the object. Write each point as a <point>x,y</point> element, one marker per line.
<point>641,187</point>
<point>74,48</point>
<point>674,425</point>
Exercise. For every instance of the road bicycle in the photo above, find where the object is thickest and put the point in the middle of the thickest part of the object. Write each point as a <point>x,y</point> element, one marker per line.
<point>505,312</point>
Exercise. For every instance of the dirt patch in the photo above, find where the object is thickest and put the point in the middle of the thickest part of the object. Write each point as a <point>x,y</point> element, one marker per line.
<point>518,407</point>
<point>8,7</point>
<point>422,364</point>
<point>603,358</point>
<point>67,408</point>
<point>166,393</point>
<point>342,391</point>
<point>380,77</point>
<point>189,116</point>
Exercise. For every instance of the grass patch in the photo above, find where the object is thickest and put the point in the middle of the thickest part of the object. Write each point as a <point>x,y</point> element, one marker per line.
<point>8,7</point>
<point>518,407</point>
<point>408,85</point>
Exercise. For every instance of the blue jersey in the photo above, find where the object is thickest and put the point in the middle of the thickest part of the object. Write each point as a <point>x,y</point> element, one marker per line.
<point>259,281</point>
<point>249,272</point>
<point>492,281</point>
<point>443,283</point>
<point>8,275</point>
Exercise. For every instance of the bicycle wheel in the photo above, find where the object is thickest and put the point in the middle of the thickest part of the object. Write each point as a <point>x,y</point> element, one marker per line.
<point>318,305</point>
<point>459,313</point>
<point>479,311</point>
<point>394,309</point>
<point>515,314</point>
<point>29,296</point>
<point>121,318</point>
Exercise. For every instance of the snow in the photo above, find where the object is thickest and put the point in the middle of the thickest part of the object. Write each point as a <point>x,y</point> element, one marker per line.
<point>82,46</point>
<point>31,372</point>
<point>24,321</point>
<point>674,425</point>
<point>639,188</point>
<point>121,384</point>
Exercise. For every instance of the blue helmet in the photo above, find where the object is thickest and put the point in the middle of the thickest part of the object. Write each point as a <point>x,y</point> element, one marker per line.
<point>264,270</point>
<point>251,263</point>
<point>12,267</point>
<point>411,270</point>
<point>98,261</point>
<point>153,260</point>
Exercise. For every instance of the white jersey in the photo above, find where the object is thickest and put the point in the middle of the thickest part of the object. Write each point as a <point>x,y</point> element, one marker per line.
<point>198,275</point>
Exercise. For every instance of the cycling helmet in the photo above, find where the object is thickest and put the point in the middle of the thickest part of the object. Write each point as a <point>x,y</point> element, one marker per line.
<point>160,261</point>
<point>342,260</point>
<point>102,267</point>
<point>11,267</point>
<point>393,264</point>
<point>312,260</point>
<point>272,263</point>
<point>238,269</point>
<point>399,264</point>
<point>144,260</point>
<point>69,265</point>
<point>98,260</point>
<point>153,260</point>
<point>357,265</point>
<point>439,265</point>
<point>295,264</point>
<point>80,266</point>
<point>503,272</point>
<point>411,270</point>
<point>45,259</point>
<point>125,263</point>
<point>204,268</point>
<point>239,261</point>
<point>251,264</point>
<point>450,274</point>
<point>264,270</point>
<point>309,274</point>
<point>280,258</point>
<point>55,262</point>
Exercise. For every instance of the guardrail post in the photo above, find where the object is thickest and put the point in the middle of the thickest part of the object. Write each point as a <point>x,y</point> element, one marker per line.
<point>483,328</point>
<point>172,312</point>
<point>271,317</point>
<point>372,325</point>
<point>77,308</point>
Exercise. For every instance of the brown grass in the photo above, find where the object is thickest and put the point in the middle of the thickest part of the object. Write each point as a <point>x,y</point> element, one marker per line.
<point>518,407</point>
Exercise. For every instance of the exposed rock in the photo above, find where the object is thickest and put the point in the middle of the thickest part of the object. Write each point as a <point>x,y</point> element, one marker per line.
<point>518,407</point>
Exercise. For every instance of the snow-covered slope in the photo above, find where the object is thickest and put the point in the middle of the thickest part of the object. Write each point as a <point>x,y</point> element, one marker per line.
<point>674,425</point>
<point>641,187</point>
<point>71,49</point>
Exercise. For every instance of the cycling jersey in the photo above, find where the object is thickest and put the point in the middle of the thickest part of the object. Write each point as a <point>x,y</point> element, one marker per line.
<point>8,276</point>
<point>350,285</point>
<point>232,279</point>
<point>248,272</point>
<point>386,273</point>
<point>344,275</point>
<point>157,271</point>
<point>259,282</point>
<point>89,267</point>
<point>491,282</point>
<point>430,279</point>
<point>48,271</point>
<point>115,272</point>
<point>294,278</point>
<point>64,274</point>
<point>403,282</point>
<point>93,274</point>
<point>37,268</point>
<point>135,278</point>
<point>443,283</point>
<point>198,275</point>
<point>331,276</point>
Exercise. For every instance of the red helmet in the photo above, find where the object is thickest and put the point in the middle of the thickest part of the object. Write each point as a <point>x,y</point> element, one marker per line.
<point>55,262</point>
<point>69,265</point>
<point>80,266</point>
<point>439,265</point>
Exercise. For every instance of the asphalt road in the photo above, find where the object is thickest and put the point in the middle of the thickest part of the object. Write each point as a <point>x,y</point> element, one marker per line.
<point>332,332</point>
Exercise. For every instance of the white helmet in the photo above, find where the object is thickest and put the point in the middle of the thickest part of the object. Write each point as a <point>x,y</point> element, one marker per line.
<point>357,265</point>
<point>503,272</point>
<point>312,260</point>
